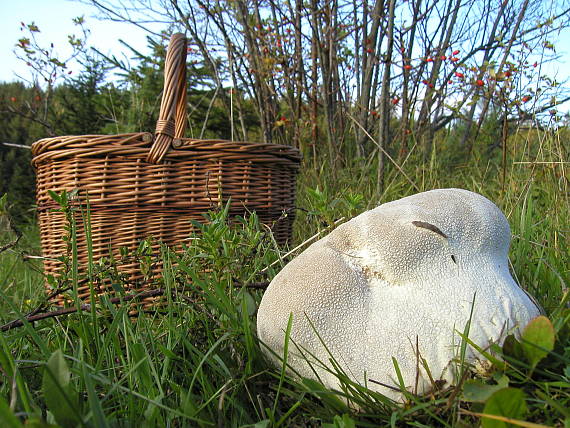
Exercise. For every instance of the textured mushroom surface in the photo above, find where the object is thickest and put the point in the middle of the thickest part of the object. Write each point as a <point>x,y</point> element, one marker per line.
<point>409,271</point>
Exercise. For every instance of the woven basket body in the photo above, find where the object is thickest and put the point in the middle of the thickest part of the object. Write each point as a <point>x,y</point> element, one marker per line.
<point>133,193</point>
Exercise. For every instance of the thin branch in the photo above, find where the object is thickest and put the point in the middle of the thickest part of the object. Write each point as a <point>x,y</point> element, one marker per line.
<point>398,167</point>
<point>85,307</point>
<point>37,316</point>
<point>19,146</point>
<point>207,117</point>
<point>113,15</point>
<point>301,245</point>
<point>33,118</point>
<point>10,244</point>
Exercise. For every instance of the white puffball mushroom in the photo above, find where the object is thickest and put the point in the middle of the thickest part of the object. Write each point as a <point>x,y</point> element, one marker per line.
<point>414,269</point>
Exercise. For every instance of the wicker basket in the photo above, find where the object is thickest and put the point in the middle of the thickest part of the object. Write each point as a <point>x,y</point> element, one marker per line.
<point>141,185</point>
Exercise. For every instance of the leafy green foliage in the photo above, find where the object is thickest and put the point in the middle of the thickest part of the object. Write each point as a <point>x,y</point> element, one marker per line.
<point>58,392</point>
<point>537,340</point>
<point>480,392</point>
<point>344,421</point>
<point>178,366</point>
<point>7,417</point>
<point>197,361</point>
<point>507,402</point>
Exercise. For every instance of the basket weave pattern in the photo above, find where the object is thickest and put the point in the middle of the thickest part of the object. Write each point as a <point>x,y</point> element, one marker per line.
<point>136,187</point>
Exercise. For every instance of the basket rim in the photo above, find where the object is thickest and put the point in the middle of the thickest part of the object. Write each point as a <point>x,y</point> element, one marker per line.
<point>141,143</point>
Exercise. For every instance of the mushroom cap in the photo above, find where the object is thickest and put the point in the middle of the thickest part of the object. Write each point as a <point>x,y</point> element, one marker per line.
<point>410,271</point>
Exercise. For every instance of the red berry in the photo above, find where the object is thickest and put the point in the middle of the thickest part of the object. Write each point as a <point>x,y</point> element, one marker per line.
<point>508,73</point>
<point>407,67</point>
<point>13,99</point>
<point>479,82</point>
<point>526,98</point>
<point>395,100</point>
<point>443,57</point>
<point>535,64</point>
<point>455,52</point>
<point>429,60</point>
<point>454,59</point>
<point>460,75</point>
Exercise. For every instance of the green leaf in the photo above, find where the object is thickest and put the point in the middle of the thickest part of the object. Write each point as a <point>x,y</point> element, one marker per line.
<point>513,348</point>
<point>58,392</point>
<point>344,421</point>
<point>3,203</point>
<point>496,361</point>
<point>38,423</point>
<point>477,391</point>
<point>54,196</point>
<point>507,402</point>
<point>152,409</point>
<point>537,340</point>
<point>248,303</point>
<point>10,371</point>
<point>558,406</point>
<point>94,402</point>
<point>331,400</point>
<point>7,417</point>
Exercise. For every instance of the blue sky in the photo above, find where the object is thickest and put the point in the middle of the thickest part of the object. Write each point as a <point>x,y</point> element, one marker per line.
<point>54,18</point>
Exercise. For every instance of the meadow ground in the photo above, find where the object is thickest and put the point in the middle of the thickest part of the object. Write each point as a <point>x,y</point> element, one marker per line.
<point>198,362</point>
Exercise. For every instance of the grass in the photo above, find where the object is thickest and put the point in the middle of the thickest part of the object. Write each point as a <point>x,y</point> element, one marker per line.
<point>198,362</point>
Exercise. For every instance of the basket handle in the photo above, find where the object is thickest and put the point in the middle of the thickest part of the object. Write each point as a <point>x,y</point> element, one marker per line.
<point>171,122</point>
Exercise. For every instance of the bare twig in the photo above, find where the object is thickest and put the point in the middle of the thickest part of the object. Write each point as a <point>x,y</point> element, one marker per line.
<point>301,245</point>
<point>33,117</point>
<point>37,315</point>
<point>258,285</point>
<point>541,163</point>
<point>10,244</point>
<point>19,146</point>
<point>398,167</point>
<point>385,385</point>
<point>85,307</point>
<point>32,257</point>
<point>210,105</point>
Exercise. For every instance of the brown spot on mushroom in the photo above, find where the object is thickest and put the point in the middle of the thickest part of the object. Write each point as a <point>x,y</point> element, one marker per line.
<point>372,273</point>
<point>429,226</point>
